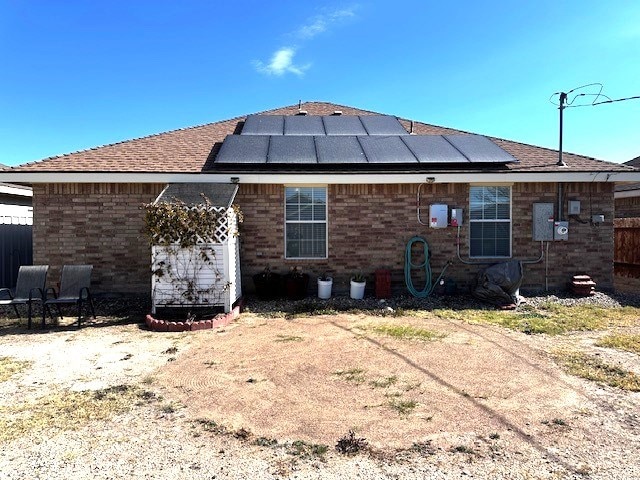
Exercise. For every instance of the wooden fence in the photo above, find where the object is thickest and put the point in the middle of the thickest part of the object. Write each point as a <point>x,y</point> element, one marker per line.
<point>626,255</point>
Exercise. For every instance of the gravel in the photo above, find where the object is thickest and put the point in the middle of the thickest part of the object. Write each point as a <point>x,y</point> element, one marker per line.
<point>599,442</point>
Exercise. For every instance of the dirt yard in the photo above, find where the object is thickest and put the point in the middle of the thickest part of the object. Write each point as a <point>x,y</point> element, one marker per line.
<point>271,397</point>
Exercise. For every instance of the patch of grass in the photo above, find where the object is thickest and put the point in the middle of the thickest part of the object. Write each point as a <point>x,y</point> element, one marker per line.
<point>549,318</point>
<point>354,375</point>
<point>169,408</point>
<point>423,448</point>
<point>384,382</point>
<point>288,338</point>
<point>303,449</point>
<point>626,342</point>
<point>591,368</point>
<point>265,442</point>
<point>403,407</point>
<point>406,332</point>
<point>350,444</point>
<point>463,449</point>
<point>10,366</point>
<point>494,436</point>
<point>65,411</point>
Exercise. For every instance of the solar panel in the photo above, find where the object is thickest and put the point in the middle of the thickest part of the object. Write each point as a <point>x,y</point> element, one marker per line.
<point>343,125</point>
<point>244,149</point>
<point>293,149</point>
<point>343,149</point>
<point>303,125</point>
<point>263,125</point>
<point>433,149</point>
<point>382,125</point>
<point>479,149</point>
<point>382,149</point>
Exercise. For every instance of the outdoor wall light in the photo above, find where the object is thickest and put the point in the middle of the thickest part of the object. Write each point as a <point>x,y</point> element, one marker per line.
<point>431,179</point>
<point>235,179</point>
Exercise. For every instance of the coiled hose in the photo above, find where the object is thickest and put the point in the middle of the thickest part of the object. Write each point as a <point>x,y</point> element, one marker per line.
<point>409,265</point>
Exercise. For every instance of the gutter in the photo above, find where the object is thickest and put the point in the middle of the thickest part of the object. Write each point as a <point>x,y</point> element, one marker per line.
<point>320,178</point>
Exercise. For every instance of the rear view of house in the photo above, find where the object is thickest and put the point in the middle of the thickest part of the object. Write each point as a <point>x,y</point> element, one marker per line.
<point>331,188</point>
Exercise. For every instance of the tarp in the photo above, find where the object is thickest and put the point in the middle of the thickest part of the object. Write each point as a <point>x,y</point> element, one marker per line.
<point>499,284</point>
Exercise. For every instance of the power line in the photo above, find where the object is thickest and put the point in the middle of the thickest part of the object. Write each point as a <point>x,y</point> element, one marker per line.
<point>564,102</point>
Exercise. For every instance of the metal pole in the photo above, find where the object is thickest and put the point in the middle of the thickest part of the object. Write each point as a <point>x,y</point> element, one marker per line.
<point>563,100</point>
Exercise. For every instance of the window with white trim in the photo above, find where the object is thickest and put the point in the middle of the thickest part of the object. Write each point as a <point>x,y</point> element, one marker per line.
<point>489,221</point>
<point>305,222</point>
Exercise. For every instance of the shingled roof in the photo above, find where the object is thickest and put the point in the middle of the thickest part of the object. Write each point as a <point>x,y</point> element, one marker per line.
<point>193,150</point>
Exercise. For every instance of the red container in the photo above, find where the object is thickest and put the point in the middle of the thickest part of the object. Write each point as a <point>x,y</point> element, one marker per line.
<point>383,283</point>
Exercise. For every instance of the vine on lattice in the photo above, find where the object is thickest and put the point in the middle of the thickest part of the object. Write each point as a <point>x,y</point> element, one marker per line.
<point>185,234</point>
<point>170,223</point>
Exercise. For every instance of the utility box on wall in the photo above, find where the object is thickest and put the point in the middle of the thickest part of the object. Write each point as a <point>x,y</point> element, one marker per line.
<point>561,230</point>
<point>543,222</point>
<point>456,217</point>
<point>438,216</point>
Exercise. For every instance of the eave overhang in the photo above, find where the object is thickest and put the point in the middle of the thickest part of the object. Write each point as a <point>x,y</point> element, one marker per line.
<point>285,177</point>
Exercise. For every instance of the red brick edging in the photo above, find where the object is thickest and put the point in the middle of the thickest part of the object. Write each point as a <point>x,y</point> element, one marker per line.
<point>220,320</point>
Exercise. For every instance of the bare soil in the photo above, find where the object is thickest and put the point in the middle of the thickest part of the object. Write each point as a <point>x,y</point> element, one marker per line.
<point>483,401</point>
<point>314,378</point>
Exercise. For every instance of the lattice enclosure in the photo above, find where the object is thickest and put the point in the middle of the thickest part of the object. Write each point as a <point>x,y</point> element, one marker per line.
<point>205,274</point>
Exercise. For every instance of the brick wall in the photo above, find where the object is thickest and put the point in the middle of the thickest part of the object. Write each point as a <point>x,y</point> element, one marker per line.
<point>628,207</point>
<point>370,225</point>
<point>97,224</point>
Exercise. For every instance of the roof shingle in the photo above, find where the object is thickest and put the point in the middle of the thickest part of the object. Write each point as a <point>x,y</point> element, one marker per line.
<point>192,150</point>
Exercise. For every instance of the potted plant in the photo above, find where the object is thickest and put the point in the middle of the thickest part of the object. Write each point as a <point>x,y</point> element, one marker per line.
<point>268,284</point>
<point>358,282</point>
<point>296,284</point>
<point>325,283</point>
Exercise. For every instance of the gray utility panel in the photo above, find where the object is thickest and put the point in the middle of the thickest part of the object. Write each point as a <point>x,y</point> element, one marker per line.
<point>543,222</point>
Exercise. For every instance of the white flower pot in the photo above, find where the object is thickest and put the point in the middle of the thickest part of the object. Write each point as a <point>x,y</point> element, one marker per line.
<point>324,288</point>
<point>357,290</point>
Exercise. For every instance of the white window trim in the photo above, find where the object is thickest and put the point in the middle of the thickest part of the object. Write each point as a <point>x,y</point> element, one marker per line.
<point>325,221</point>
<point>501,220</point>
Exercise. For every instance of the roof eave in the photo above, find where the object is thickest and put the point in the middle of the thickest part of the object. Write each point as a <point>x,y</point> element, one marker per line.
<point>387,177</point>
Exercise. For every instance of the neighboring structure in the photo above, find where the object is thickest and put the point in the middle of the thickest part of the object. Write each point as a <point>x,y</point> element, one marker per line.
<point>336,189</point>
<point>16,220</point>
<point>628,196</point>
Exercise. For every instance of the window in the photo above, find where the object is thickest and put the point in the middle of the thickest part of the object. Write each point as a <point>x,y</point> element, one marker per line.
<point>305,222</point>
<point>490,221</point>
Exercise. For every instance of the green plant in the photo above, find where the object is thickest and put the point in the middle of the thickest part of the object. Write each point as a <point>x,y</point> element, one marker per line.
<point>355,375</point>
<point>384,382</point>
<point>324,277</point>
<point>358,278</point>
<point>403,407</point>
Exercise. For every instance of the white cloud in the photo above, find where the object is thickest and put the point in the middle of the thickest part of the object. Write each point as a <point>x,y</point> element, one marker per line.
<point>281,63</point>
<point>322,23</point>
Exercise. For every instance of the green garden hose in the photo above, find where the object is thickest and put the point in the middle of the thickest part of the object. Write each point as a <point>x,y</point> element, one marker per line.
<point>409,265</point>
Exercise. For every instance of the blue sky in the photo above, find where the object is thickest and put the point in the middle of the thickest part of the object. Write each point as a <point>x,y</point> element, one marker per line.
<point>78,74</point>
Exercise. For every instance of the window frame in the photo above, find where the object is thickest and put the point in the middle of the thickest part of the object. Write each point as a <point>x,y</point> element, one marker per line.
<point>496,220</point>
<point>325,222</point>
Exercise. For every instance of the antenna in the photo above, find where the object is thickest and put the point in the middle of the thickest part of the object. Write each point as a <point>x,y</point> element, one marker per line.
<point>564,102</point>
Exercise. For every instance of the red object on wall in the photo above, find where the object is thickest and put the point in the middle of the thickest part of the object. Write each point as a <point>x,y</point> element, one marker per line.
<point>383,283</point>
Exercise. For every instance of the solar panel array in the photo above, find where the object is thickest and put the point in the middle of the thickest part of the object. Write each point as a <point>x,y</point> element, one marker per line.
<point>358,149</point>
<point>322,125</point>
